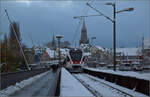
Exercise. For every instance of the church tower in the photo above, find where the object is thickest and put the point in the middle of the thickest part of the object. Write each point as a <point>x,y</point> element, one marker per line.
<point>83,39</point>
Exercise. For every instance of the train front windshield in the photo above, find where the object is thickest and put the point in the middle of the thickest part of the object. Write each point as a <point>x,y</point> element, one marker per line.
<point>76,55</point>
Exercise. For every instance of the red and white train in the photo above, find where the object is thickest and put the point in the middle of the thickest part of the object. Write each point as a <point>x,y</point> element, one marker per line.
<point>74,60</point>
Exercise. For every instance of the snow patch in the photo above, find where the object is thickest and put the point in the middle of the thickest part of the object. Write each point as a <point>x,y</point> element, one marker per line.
<point>147,43</point>
<point>18,86</point>
<point>137,75</point>
<point>106,91</point>
<point>100,48</point>
<point>64,51</point>
<point>128,51</point>
<point>50,52</point>
<point>70,86</point>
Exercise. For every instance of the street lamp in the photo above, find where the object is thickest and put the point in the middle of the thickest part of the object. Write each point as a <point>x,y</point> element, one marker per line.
<point>114,28</point>
<point>110,3</point>
<point>59,37</point>
<point>126,9</point>
<point>114,24</point>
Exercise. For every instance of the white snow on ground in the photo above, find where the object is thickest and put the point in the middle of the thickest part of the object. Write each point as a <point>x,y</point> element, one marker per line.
<point>64,51</point>
<point>69,86</point>
<point>100,48</point>
<point>147,43</point>
<point>145,76</point>
<point>104,90</point>
<point>128,51</point>
<point>44,87</point>
<point>50,52</point>
<point>18,86</point>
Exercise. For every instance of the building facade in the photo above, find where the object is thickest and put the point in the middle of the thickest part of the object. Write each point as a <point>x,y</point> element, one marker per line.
<point>128,55</point>
<point>146,53</point>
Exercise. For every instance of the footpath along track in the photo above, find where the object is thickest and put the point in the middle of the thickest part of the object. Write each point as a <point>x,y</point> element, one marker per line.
<point>101,88</point>
<point>45,86</point>
<point>8,79</point>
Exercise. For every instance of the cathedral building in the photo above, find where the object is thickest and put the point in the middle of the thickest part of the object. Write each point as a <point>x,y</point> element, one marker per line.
<point>84,41</point>
<point>84,38</point>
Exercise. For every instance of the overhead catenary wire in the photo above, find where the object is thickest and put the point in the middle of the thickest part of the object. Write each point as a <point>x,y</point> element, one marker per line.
<point>86,9</point>
<point>89,2</point>
<point>17,40</point>
<point>75,34</point>
<point>33,48</point>
<point>100,12</point>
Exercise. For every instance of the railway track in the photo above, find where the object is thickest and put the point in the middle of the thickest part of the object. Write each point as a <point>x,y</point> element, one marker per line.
<point>93,91</point>
<point>101,88</point>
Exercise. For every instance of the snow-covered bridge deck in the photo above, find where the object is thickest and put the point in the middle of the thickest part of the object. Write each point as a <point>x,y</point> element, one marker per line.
<point>106,89</point>
<point>145,76</point>
<point>41,85</point>
<point>70,86</point>
<point>131,80</point>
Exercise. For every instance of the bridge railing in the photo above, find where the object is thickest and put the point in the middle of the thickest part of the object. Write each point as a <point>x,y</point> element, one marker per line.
<point>8,79</point>
<point>140,85</point>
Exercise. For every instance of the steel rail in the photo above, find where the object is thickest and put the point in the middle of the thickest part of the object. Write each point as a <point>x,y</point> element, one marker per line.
<point>93,91</point>
<point>111,87</point>
<point>87,86</point>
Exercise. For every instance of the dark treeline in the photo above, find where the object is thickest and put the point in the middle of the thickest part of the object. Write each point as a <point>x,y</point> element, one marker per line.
<point>11,57</point>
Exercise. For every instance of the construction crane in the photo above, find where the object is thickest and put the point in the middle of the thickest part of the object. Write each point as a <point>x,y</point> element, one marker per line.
<point>75,33</point>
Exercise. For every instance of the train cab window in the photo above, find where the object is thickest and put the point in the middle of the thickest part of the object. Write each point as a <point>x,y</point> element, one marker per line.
<point>76,56</point>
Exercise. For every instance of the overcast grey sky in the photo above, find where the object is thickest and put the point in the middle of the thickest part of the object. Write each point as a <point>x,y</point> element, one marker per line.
<point>40,19</point>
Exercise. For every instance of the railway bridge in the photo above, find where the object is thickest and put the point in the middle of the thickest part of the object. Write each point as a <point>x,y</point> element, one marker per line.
<point>60,82</point>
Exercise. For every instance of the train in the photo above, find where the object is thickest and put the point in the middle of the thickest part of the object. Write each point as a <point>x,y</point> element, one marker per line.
<point>74,60</point>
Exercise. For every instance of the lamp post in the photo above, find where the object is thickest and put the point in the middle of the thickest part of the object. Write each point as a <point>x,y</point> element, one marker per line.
<point>114,32</point>
<point>114,28</point>
<point>59,37</point>
<point>112,20</point>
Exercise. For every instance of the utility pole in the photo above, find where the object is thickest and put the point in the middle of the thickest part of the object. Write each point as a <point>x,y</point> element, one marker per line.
<point>114,28</point>
<point>114,35</point>
<point>59,37</point>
